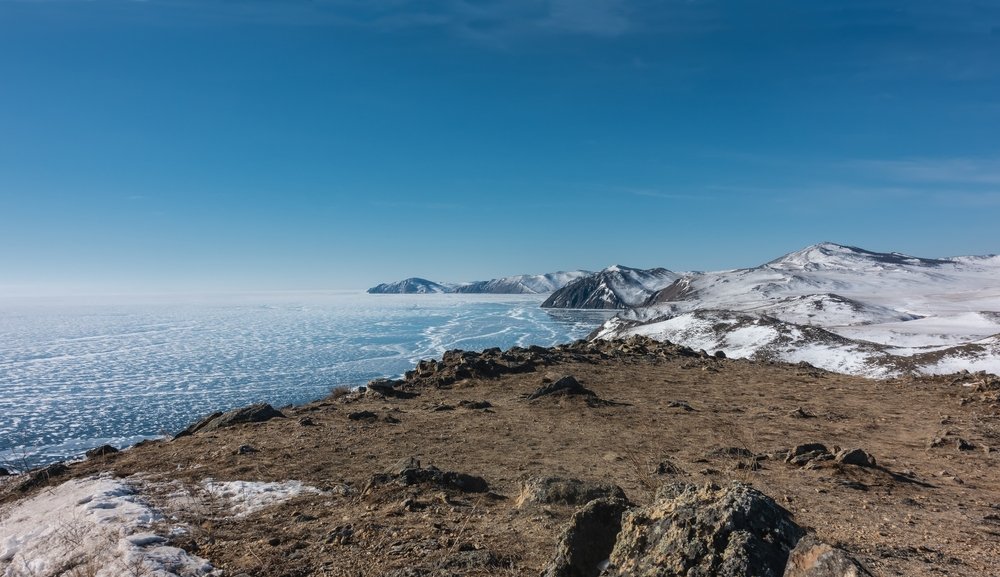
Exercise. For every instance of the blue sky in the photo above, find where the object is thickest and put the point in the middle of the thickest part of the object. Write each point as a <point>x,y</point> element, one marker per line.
<point>166,145</point>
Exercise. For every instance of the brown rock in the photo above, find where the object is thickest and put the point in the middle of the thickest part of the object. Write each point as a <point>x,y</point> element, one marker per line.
<point>814,558</point>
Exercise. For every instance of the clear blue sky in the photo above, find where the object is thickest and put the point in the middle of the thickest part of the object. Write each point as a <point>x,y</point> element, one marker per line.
<point>165,145</point>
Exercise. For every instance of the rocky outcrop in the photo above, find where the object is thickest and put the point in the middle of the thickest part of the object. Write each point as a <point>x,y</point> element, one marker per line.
<point>811,455</point>
<point>101,451</point>
<point>689,531</point>
<point>256,413</point>
<point>457,365</point>
<point>564,491</point>
<point>616,287</point>
<point>560,385</point>
<point>409,472</point>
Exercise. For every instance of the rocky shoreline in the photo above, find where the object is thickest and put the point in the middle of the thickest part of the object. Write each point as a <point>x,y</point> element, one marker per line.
<point>625,457</point>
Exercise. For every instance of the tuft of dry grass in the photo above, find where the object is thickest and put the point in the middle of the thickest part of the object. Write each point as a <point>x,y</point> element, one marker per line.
<point>339,392</point>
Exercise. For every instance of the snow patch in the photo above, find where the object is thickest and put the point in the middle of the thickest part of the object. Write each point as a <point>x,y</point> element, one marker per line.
<point>95,526</point>
<point>246,497</point>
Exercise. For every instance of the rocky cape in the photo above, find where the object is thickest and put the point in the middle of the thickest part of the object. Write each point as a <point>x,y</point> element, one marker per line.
<point>614,457</point>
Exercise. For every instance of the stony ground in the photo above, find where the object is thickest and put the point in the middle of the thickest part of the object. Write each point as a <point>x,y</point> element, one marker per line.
<point>658,414</point>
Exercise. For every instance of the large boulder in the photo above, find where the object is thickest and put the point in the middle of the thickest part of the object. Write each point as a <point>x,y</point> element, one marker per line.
<point>691,531</point>
<point>586,543</point>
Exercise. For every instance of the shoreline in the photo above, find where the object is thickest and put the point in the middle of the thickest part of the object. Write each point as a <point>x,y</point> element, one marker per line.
<point>644,415</point>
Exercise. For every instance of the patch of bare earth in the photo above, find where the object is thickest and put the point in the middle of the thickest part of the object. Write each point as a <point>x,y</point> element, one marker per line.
<point>657,414</point>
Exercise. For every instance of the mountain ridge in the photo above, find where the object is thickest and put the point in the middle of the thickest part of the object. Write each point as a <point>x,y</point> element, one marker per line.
<point>516,284</point>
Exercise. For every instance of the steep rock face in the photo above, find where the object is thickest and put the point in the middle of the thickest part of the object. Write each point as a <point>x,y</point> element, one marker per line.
<point>409,286</point>
<point>616,287</point>
<point>689,531</point>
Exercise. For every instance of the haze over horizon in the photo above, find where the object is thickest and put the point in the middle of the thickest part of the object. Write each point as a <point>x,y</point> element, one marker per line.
<point>181,145</point>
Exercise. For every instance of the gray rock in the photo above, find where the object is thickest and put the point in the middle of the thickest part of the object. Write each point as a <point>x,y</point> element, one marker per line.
<point>705,532</point>
<point>807,448</point>
<point>256,413</point>
<point>808,458</point>
<point>362,416</point>
<point>408,472</point>
<point>814,558</point>
<point>198,425</point>
<point>587,541</point>
<point>857,457</point>
<point>387,388</point>
<point>4,472</point>
<point>101,451</point>
<point>564,491</point>
<point>563,385</point>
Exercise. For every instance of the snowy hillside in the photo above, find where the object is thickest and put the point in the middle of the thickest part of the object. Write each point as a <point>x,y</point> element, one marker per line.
<point>758,337</point>
<point>884,306</point>
<point>616,287</point>
<point>523,284</point>
<point>764,338</point>
<point>409,286</point>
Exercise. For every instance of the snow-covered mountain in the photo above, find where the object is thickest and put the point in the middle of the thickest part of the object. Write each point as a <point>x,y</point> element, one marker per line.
<point>881,307</point>
<point>765,338</point>
<point>831,256</point>
<point>616,287</point>
<point>520,284</point>
<point>905,284</point>
<point>412,285</point>
<point>523,284</point>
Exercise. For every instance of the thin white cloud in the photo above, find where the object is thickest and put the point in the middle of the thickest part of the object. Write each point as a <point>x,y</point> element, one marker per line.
<point>667,195</point>
<point>968,171</point>
<point>492,20</point>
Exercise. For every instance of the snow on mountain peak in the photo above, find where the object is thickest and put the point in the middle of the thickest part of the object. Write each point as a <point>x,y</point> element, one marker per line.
<point>832,256</point>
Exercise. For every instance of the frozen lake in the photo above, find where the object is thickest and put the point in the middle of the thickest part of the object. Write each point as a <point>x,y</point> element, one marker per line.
<point>75,376</point>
